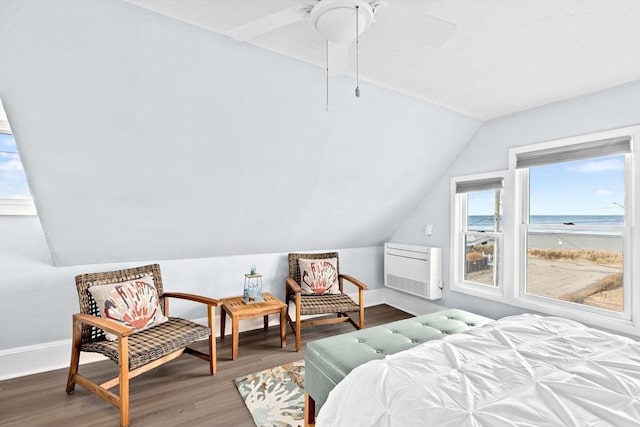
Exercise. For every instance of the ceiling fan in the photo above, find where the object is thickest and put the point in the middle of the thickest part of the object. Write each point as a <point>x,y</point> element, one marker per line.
<point>336,21</point>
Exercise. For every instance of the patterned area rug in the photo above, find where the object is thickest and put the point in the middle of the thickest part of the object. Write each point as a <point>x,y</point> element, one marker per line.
<point>275,397</point>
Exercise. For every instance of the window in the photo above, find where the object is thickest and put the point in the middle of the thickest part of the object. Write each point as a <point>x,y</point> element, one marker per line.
<point>478,233</point>
<point>573,225</point>
<point>15,197</point>
<point>558,232</point>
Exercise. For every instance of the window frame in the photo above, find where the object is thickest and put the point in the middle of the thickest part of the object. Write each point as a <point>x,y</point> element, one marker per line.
<point>515,205</point>
<point>459,231</point>
<point>627,321</point>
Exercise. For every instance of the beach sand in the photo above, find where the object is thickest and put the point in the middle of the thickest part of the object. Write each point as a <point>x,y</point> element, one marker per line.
<point>551,278</point>
<point>611,300</point>
<point>560,278</point>
<point>569,241</point>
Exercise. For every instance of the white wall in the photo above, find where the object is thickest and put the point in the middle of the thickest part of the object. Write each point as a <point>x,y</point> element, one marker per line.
<point>146,137</point>
<point>488,151</point>
<point>37,299</point>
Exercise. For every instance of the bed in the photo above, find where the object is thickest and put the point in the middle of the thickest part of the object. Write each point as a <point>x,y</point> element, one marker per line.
<point>329,360</point>
<point>524,370</point>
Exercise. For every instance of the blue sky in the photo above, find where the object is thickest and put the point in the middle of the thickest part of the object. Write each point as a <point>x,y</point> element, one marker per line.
<point>582,187</point>
<point>13,183</point>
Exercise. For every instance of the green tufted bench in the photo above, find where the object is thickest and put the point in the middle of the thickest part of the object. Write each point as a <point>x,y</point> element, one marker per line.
<point>329,360</point>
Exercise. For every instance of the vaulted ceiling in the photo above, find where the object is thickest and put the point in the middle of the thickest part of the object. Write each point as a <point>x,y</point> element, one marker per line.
<point>146,137</point>
<point>502,56</point>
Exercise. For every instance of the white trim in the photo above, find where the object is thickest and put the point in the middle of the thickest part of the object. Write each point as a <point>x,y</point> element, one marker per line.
<point>584,314</point>
<point>4,125</point>
<point>458,215</point>
<point>513,267</point>
<point>17,207</point>
<point>33,359</point>
<point>633,131</point>
<point>629,322</point>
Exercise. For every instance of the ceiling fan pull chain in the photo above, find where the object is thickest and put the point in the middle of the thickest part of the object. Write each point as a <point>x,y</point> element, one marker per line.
<point>327,75</point>
<point>357,54</point>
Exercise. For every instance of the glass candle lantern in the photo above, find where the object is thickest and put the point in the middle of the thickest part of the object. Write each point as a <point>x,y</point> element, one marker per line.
<point>252,288</point>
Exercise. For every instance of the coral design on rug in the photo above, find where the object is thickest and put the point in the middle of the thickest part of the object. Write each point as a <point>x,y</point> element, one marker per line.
<point>275,397</point>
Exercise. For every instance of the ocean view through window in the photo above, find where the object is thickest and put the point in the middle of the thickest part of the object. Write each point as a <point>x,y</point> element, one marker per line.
<point>572,225</point>
<point>482,236</point>
<point>478,232</point>
<point>581,266</point>
<point>561,236</point>
<point>577,258</point>
<point>486,222</point>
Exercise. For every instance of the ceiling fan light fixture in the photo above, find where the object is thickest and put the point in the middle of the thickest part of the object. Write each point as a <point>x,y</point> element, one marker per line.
<point>333,19</point>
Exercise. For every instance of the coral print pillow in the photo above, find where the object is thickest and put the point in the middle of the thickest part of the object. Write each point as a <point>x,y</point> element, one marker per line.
<point>319,276</point>
<point>134,304</point>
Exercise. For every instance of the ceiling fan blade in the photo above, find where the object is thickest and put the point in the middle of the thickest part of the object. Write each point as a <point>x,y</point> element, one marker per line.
<point>432,30</point>
<point>269,22</point>
<point>338,58</point>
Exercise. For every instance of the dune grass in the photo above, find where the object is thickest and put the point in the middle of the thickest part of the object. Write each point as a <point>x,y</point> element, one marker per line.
<point>591,255</point>
<point>607,283</point>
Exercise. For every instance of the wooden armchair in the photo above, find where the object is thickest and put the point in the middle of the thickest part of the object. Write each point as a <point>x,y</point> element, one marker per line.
<point>333,303</point>
<point>135,351</point>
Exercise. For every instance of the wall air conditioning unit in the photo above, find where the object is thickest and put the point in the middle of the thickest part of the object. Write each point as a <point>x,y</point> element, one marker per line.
<point>413,269</point>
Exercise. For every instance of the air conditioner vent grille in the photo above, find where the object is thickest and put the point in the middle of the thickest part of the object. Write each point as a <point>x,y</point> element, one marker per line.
<point>412,286</point>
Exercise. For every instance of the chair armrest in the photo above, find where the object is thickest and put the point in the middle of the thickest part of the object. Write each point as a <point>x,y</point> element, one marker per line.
<point>293,285</point>
<point>108,325</point>
<point>191,297</point>
<point>354,281</point>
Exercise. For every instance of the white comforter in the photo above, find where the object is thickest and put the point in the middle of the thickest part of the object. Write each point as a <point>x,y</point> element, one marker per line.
<point>519,371</point>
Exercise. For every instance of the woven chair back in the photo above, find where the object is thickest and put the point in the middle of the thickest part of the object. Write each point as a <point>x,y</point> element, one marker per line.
<point>88,304</point>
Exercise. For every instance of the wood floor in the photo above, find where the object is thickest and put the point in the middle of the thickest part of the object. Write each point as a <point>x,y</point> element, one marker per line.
<point>180,393</point>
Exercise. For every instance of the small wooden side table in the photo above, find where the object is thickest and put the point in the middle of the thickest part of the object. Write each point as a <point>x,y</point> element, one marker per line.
<point>238,310</point>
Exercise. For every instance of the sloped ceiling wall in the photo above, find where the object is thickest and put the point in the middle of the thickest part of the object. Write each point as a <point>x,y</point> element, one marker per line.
<point>146,138</point>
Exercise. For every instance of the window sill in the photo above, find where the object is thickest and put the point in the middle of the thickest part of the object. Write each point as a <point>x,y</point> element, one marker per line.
<point>590,315</point>
<point>481,291</point>
<point>12,207</point>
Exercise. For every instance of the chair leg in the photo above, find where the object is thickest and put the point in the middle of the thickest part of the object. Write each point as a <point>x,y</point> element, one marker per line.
<point>361,303</point>
<point>295,329</point>
<point>213,358</point>
<point>75,356</point>
<point>123,369</point>
<point>298,321</point>
<point>292,324</point>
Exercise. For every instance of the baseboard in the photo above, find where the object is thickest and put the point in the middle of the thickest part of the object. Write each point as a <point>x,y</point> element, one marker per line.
<point>33,359</point>
<point>28,360</point>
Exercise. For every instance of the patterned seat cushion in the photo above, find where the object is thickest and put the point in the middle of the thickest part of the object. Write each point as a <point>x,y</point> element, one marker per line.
<point>153,343</point>
<point>328,303</point>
